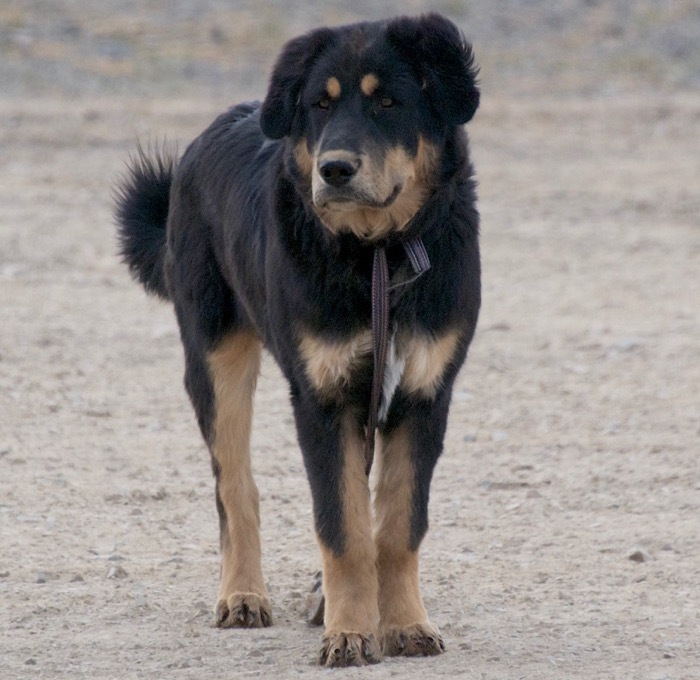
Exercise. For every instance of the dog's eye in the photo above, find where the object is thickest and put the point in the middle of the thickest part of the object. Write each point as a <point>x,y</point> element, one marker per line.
<point>387,102</point>
<point>324,103</point>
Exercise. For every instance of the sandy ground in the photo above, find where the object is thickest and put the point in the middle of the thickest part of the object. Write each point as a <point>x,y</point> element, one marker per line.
<point>565,517</point>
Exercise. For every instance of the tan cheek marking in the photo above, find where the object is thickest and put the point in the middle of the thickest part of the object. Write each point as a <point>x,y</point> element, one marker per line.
<point>329,365</point>
<point>369,84</point>
<point>426,160</point>
<point>333,87</point>
<point>303,158</point>
<point>397,166</point>
<point>426,361</point>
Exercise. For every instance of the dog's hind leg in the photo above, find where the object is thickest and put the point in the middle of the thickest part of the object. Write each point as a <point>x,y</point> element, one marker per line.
<point>234,364</point>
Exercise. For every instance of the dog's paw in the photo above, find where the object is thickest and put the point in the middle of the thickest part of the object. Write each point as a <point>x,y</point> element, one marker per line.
<point>244,610</point>
<point>349,649</point>
<point>419,639</point>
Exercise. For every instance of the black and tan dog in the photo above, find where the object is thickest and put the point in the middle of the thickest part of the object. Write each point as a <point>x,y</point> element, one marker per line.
<point>262,234</point>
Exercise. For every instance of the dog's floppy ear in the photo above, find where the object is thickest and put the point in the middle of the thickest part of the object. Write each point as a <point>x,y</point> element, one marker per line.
<point>291,69</point>
<point>444,61</point>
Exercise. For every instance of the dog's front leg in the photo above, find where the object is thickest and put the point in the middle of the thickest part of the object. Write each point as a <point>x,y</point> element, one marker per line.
<point>332,444</point>
<point>408,451</point>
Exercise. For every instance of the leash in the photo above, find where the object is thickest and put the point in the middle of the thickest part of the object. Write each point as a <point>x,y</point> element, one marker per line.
<point>418,257</point>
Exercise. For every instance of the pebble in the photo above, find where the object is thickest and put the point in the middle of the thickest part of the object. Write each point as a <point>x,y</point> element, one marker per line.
<point>566,597</point>
<point>46,576</point>
<point>499,436</point>
<point>628,344</point>
<point>160,495</point>
<point>140,600</point>
<point>116,572</point>
<point>637,556</point>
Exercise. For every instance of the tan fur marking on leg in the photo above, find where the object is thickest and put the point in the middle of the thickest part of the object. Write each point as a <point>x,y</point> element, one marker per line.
<point>426,161</point>
<point>369,84</point>
<point>350,580</point>
<point>400,601</point>
<point>234,367</point>
<point>404,625</point>
<point>333,87</point>
<point>329,365</point>
<point>426,361</point>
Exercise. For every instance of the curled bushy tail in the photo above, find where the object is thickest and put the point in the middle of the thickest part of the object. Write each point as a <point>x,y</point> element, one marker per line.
<point>141,211</point>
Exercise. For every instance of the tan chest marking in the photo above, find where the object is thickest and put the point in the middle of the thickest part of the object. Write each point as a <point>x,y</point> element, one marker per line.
<point>329,365</point>
<point>416,363</point>
<point>426,360</point>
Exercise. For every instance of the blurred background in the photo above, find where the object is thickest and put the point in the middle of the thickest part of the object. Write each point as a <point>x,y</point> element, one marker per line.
<point>152,47</point>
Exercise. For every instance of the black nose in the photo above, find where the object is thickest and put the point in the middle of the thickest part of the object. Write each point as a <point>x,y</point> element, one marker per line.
<point>337,173</point>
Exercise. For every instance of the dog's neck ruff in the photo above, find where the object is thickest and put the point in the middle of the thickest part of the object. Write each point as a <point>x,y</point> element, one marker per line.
<point>418,257</point>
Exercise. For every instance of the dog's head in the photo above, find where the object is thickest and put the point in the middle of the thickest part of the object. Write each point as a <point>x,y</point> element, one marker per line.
<point>366,109</point>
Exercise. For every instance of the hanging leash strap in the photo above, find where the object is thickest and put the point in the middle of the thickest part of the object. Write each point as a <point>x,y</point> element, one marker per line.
<point>380,345</point>
<point>418,257</point>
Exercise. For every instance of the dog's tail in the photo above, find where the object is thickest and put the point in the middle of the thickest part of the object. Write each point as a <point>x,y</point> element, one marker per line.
<point>141,211</point>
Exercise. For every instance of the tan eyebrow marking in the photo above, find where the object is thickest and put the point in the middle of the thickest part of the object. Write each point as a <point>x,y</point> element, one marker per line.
<point>333,87</point>
<point>369,84</point>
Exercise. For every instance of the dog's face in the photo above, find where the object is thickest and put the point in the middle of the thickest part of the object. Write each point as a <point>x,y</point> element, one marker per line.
<point>366,109</point>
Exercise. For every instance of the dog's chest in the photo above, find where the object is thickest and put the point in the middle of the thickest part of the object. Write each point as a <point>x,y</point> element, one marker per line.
<point>416,363</point>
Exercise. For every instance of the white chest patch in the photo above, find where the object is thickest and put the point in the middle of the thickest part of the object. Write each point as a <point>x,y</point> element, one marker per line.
<point>393,374</point>
<point>417,364</point>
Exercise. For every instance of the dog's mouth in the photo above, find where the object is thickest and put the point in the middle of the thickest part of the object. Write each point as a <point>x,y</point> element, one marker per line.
<point>347,201</point>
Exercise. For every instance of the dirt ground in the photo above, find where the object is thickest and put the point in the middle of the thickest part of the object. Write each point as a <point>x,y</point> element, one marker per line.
<point>565,514</point>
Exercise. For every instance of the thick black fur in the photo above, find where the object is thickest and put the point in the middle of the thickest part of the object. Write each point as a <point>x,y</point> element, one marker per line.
<point>229,234</point>
<point>142,213</point>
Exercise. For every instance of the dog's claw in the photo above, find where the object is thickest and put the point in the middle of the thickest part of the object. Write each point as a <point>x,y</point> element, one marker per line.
<point>349,649</point>
<point>420,639</point>
<point>244,610</point>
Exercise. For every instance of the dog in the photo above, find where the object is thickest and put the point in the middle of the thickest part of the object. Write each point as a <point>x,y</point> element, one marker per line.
<point>264,234</point>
